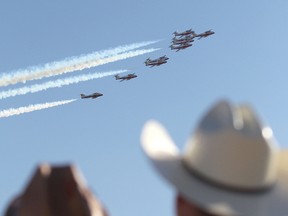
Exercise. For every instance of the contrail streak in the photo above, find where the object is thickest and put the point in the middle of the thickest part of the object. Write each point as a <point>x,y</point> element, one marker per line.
<point>31,108</point>
<point>56,83</point>
<point>74,63</point>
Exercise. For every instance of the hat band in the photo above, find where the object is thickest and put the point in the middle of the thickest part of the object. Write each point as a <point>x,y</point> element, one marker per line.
<point>205,179</point>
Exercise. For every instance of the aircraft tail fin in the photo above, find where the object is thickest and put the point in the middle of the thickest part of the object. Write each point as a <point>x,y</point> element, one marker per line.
<point>116,76</point>
<point>82,95</point>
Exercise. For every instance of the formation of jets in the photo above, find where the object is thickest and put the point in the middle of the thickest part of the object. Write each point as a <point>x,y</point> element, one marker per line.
<point>127,77</point>
<point>180,41</point>
<point>183,40</point>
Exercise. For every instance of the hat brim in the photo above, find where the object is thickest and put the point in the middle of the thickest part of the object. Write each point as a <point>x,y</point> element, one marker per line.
<point>167,160</point>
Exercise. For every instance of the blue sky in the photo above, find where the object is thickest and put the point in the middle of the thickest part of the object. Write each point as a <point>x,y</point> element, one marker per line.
<point>244,61</point>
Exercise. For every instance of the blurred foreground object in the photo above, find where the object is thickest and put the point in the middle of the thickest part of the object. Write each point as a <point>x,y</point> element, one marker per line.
<point>56,191</point>
<point>231,164</point>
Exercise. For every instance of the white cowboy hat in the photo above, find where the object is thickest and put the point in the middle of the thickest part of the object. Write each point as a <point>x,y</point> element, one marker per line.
<point>230,166</point>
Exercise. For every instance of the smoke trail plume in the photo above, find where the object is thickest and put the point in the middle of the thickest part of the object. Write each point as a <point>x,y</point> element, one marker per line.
<point>31,108</point>
<point>56,83</point>
<point>74,63</point>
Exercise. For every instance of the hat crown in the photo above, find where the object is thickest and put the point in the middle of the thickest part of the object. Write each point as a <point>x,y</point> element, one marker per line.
<point>231,147</point>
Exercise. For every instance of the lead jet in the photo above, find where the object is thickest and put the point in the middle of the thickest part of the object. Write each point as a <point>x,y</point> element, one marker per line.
<point>92,96</point>
<point>204,34</point>
<point>180,46</point>
<point>181,34</point>
<point>156,62</point>
<point>128,77</point>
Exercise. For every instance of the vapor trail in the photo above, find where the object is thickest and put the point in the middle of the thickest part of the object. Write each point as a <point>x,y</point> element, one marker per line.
<point>74,63</point>
<point>56,83</point>
<point>31,108</point>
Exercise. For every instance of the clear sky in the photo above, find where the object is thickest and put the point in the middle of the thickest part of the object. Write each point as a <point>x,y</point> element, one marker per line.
<point>244,61</point>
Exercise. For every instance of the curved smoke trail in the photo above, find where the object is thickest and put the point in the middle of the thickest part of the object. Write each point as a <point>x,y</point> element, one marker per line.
<point>72,64</point>
<point>31,108</point>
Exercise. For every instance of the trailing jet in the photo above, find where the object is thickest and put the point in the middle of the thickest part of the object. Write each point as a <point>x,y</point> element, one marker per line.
<point>180,47</point>
<point>156,62</point>
<point>92,96</point>
<point>204,34</point>
<point>128,77</point>
<point>181,34</point>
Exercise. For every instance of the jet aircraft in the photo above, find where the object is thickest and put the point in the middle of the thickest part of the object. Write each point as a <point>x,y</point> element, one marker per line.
<point>204,34</point>
<point>185,37</point>
<point>181,34</point>
<point>156,62</point>
<point>180,46</point>
<point>128,77</point>
<point>184,40</point>
<point>165,58</point>
<point>92,96</point>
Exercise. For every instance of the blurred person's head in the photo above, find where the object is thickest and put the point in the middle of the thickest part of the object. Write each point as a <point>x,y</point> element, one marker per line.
<point>56,191</point>
<point>231,165</point>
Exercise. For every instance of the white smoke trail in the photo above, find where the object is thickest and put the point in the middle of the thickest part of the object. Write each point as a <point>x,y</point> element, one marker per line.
<point>31,108</point>
<point>70,64</point>
<point>56,83</point>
